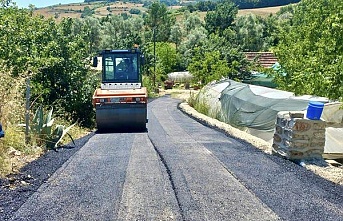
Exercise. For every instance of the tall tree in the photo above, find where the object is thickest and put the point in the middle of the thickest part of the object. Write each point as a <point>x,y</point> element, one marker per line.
<point>176,35</point>
<point>91,30</point>
<point>250,33</point>
<point>65,82</point>
<point>57,58</point>
<point>191,21</point>
<point>121,33</point>
<point>195,38</point>
<point>310,50</point>
<point>221,18</point>
<point>159,21</point>
<point>23,39</point>
<point>208,66</point>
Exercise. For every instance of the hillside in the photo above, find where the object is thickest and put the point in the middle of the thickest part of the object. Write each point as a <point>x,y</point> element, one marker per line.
<point>78,10</point>
<point>102,9</point>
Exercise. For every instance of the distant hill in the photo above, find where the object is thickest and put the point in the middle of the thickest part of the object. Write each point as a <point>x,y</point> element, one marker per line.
<point>96,9</point>
<point>248,4</point>
<point>242,4</point>
<point>105,8</point>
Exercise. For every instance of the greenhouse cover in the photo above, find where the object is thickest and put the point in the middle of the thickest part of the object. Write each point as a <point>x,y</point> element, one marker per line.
<point>254,109</point>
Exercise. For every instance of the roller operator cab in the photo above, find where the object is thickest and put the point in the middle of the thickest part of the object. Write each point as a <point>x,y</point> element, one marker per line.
<point>121,102</point>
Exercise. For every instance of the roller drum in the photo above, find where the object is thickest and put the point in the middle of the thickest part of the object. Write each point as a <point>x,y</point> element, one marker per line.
<point>121,116</point>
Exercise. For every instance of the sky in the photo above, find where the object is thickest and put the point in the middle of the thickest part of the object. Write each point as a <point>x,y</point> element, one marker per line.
<point>43,3</point>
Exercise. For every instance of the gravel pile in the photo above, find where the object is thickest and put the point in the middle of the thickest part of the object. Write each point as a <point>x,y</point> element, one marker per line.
<point>15,189</point>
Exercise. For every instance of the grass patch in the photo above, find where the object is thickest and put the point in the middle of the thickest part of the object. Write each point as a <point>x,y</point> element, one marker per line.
<point>14,152</point>
<point>200,106</point>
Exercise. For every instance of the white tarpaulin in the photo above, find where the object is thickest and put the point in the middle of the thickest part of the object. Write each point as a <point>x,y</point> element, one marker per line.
<point>183,76</point>
<point>254,109</point>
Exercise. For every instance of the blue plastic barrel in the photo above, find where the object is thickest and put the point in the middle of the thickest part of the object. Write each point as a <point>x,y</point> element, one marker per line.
<point>314,110</point>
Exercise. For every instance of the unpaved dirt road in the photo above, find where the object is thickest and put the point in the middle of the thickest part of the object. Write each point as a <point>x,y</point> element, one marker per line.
<point>180,170</point>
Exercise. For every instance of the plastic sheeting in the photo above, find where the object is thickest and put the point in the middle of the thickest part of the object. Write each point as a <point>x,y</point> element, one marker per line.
<point>333,114</point>
<point>254,109</point>
<point>183,76</point>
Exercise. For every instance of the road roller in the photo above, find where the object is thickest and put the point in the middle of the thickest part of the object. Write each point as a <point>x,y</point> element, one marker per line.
<point>121,101</point>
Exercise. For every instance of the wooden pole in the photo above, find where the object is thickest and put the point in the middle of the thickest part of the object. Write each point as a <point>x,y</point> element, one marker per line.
<point>27,109</point>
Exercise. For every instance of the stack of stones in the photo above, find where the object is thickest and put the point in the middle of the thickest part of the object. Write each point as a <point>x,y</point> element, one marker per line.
<point>298,138</point>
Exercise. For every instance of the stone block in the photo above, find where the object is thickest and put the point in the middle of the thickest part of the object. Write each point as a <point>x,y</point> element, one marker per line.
<point>301,126</point>
<point>298,138</point>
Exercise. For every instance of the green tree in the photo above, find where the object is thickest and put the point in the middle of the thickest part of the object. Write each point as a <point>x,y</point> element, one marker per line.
<point>135,11</point>
<point>176,35</point>
<point>158,21</point>
<point>310,50</point>
<point>221,18</point>
<point>23,39</point>
<point>208,66</point>
<point>194,39</point>
<point>121,33</point>
<point>191,21</point>
<point>65,82</point>
<point>167,59</point>
<point>90,29</point>
<point>87,11</point>
<point>235,59</point>
<point>250,33</point>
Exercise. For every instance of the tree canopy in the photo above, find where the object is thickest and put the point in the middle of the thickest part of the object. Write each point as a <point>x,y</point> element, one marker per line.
<point>56,56</point>
<point>221,18</point>
<point>310,49</point>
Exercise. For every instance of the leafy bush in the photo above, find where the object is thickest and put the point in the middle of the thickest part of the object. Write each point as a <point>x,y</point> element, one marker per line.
<point>310,50</point>
<point>135,11</point>
<point>58,58</point>
<point>87,11</point>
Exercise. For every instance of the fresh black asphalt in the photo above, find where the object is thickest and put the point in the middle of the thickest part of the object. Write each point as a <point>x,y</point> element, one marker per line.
<point>179,170</point>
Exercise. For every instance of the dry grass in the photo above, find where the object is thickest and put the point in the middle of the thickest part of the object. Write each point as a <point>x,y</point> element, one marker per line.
<point>100,9</point>
<point>11,113</point>
<point>14,153</point>
<point>263,12</point>
<point>73,10</point>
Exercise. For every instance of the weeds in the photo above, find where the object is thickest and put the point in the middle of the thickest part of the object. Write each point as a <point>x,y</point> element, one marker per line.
<point>14,152</point>
<point>200,106</point>
<point>150,87</point>
<point>41,130</point>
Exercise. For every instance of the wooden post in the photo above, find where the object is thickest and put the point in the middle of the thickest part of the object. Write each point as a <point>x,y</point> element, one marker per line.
<point>27,109</point>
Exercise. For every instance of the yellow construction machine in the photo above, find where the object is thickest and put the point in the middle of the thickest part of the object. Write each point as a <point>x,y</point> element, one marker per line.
<point>121,102</point>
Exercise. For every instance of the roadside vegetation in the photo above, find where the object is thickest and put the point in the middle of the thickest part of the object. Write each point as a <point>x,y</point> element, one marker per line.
<point>207,38</point>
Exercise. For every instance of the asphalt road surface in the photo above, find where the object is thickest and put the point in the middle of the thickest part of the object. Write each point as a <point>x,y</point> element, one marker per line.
<point>180,170</point>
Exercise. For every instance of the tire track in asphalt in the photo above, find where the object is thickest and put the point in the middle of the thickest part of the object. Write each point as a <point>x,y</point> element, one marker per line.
<point>205,189</point>
<point>148,191</point>
<point>170,178</point>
